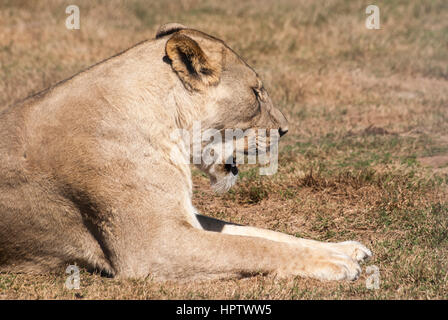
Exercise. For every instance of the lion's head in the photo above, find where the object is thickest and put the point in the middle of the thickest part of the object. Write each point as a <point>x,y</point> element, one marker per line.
<point>228,95</point>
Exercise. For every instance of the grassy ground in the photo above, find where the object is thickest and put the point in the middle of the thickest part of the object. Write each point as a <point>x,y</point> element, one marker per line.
<point>366,156</point>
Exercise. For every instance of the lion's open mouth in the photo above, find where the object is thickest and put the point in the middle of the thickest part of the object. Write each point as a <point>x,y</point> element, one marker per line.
<point>224,183</point>
<point>232,167</point>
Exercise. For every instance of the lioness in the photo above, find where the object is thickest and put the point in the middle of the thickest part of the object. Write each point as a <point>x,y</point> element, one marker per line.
<point>87,174</point>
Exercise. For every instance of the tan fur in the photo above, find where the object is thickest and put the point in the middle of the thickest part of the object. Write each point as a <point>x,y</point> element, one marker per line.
<point>87,173</point>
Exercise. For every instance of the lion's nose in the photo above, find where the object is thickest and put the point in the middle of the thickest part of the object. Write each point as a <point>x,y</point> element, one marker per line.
<point>282,131</point>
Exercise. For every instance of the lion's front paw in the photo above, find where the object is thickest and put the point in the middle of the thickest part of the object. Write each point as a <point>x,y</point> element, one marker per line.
<point>353,249</point>
<point>324,265</point>
<point>336,267</point>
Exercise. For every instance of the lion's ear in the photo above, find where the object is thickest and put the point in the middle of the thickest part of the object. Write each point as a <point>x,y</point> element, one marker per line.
<point>169,28</point>
<point>191,64</point>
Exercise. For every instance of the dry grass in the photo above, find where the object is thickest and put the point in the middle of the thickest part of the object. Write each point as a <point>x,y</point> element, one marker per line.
<point>365,158</point>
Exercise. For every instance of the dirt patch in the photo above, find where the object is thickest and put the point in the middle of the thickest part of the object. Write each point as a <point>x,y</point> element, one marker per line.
<point>439,161</point>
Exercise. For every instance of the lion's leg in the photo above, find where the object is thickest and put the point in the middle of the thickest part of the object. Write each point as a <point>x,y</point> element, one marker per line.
<point>196,253</point>
<point>353,249</point>
<point>150,234</point>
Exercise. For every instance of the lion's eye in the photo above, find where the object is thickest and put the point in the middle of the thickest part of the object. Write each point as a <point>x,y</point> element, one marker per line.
<point>259,94</point>
<point>256,93</point>
<point>257,97</point>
